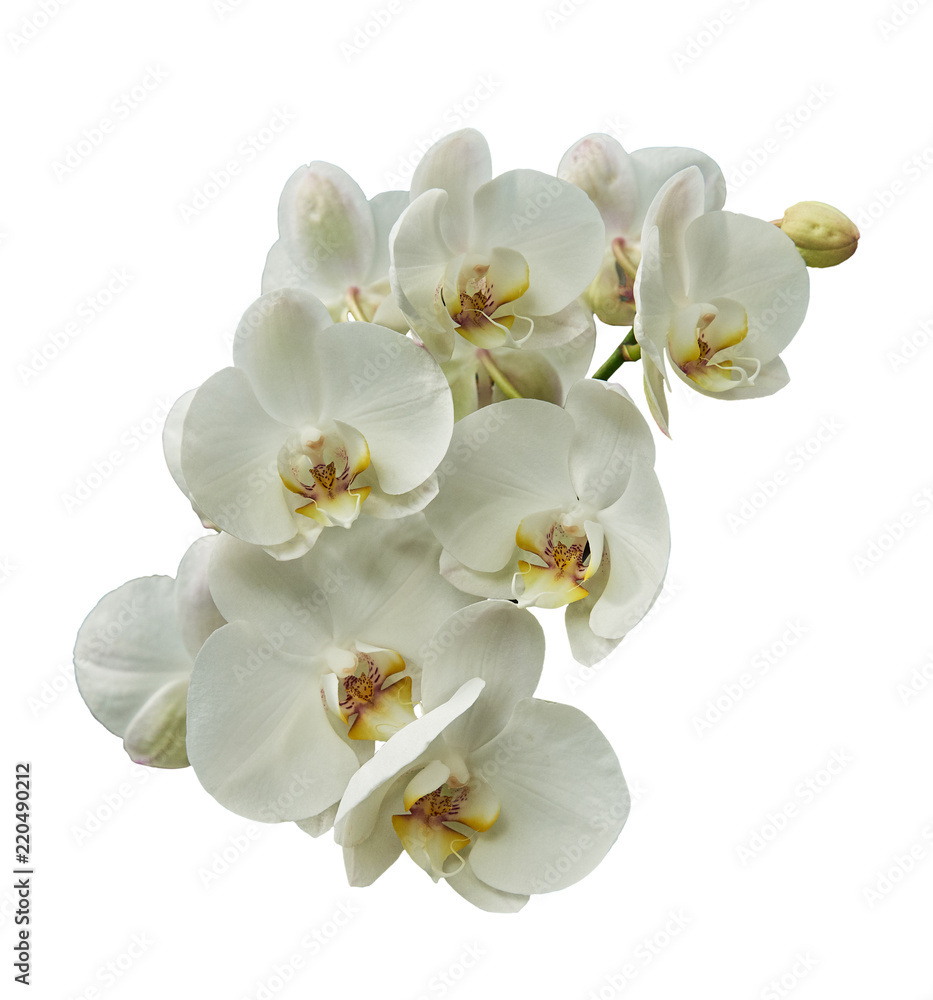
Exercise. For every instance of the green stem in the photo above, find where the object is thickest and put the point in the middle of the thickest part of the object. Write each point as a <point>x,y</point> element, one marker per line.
<point>496,375</point>
<point>628,350</point>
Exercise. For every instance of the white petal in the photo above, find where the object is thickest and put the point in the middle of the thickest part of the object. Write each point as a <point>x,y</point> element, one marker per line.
<point>397,755</point>
<point>276,345</point>
<point>281,270</point>
<point>314,826</point>
<point>327,226</point>
<point>572,329</point>
<point>753,262</point>
<point>494,640</point>
<point>587,647</point>
<point>552,224</point>
<point>419,255</point>
<point>128,648</point>
<point>564,800</point>
<point>680,201</point>
<point>287,600</point>
<point>228,455</point>
<point>258,736</point>
<point>390,506</point>
<point>654,392</point>
<point>459,163</point>
<point>484,896</point>
<point>495,585</point>
<point>639,541</point>
<point>655,165</point>
<point>386,208</point>
<point>609,434</point>
<point>601,167</point>
<point>171,438</point>
<point>368,859</point>
<point>394,393</point>
<point>505,461</point>
<point>655,304</point>
<point>194,607</point>
<point>391,594</point>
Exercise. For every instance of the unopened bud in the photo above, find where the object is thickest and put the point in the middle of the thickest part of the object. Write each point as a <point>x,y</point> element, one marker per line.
<point>156,735</point>
<point>823,235</point>
<point>611,295</point>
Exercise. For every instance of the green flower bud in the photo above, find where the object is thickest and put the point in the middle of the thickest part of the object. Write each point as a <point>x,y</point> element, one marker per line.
<point>823,235</point>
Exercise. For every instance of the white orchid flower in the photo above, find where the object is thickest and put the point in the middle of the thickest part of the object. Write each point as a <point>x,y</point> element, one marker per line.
<point>556,506</point>
<point>485,258</point>
<point>718,294</point>
<point>499,793</point>
<point>622,186</point>
<point>335,244</point>
<point>315,424</point>
<point>322,657</point>
<point>135,652</point>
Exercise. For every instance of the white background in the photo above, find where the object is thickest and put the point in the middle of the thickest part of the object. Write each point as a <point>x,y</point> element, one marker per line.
<point>796,100</point>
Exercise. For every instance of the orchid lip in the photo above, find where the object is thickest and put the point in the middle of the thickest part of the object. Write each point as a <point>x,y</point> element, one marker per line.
<point>566,557</point>
<point>425,830</point>
<point>366,694</point>
<point>321,467</point>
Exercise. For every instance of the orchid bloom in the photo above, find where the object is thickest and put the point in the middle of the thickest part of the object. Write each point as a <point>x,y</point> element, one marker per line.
<point>321,658</point>
<point>557,507</point>
<point>622,186</point>
<point>314,425</point>
<point>335,244</point>
<point>718,294</point>
<point>135,652</point>
<point>485,258</point>
<point>489,787</point>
